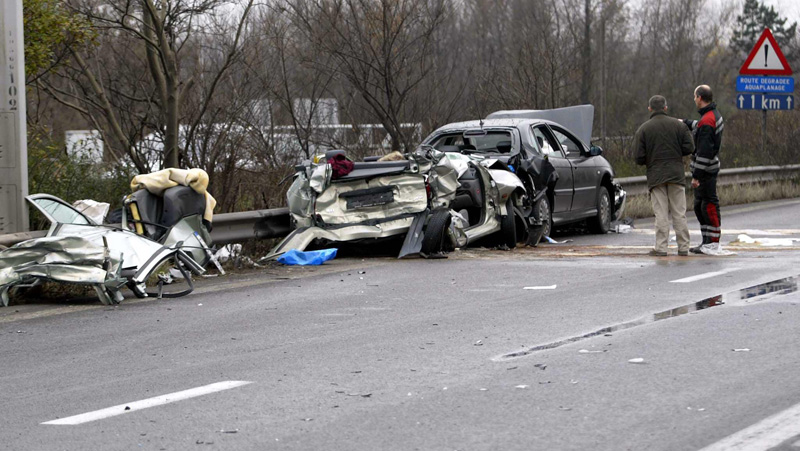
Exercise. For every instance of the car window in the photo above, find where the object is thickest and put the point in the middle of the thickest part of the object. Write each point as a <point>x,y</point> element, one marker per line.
<point>492,141</point>
<point>568,143</point>
<point>61,213</point>
<point>448,140</point>
<point>545,142</point>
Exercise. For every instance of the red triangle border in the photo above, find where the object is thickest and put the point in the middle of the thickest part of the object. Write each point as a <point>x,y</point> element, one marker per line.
<point>766,34</point>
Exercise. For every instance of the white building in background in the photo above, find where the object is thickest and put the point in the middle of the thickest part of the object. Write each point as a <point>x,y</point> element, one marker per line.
<point>84,145</point>
<point>261,112</point>
<point>325,112</point>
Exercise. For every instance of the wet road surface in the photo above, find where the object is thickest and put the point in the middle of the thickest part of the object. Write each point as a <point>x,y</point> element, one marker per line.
<point>625,352</point>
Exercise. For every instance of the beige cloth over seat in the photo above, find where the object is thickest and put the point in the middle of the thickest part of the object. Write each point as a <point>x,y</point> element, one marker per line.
<point>157,182</point>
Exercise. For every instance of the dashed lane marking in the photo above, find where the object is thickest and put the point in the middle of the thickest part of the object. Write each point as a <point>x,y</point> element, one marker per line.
<point>766,434</point>
<point>704,276</point>
<point>146,403</point>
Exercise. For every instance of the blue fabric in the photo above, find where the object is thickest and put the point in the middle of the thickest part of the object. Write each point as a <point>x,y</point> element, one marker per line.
<point>295,257</point>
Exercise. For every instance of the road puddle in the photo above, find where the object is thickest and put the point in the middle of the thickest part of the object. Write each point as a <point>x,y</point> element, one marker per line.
<point>746,295</point>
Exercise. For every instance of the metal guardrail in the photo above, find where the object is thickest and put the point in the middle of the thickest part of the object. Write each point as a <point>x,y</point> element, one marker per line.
<point>228,227</point>
<point>638,185</point>
<point>245,225</point>
<point>274,223</point>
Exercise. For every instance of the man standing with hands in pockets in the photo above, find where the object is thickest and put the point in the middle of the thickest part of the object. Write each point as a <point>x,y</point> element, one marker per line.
<point>660,144</point>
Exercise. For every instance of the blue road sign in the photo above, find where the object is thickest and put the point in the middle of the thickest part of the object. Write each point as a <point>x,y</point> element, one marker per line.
<point>764,102</point>
<point>767,85</point>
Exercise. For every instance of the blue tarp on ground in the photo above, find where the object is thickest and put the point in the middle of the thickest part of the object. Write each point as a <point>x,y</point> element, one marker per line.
<point>295,257</point>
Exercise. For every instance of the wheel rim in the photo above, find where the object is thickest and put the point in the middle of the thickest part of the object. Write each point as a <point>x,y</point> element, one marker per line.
<point>544,215</point>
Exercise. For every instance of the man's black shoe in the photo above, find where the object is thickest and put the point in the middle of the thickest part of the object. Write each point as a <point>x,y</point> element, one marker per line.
<point>696,249</point>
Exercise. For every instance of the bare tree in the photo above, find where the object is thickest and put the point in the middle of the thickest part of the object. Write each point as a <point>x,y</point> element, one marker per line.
<point>145,37</point>
<point>382,48</point>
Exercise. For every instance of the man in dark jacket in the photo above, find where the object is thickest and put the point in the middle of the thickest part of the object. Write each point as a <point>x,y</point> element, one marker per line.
<point>661,143</point>
<point>705,167</point>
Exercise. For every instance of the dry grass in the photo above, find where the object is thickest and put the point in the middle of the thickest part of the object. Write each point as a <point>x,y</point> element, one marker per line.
<point>639,206</point>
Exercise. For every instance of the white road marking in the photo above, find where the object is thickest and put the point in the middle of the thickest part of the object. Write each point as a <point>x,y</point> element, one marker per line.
<point>704,276</point>
<point>548,287</point>
<point>763,435</point>
<point>145,403</point>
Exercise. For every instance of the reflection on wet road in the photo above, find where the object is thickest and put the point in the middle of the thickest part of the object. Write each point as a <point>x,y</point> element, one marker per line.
<point>749,294</point>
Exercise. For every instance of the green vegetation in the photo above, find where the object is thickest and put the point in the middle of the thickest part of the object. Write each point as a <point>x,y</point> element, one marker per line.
<point>751,23</point>
<point>51,171</point>
<point>50,31</point>
<point>639,206</point>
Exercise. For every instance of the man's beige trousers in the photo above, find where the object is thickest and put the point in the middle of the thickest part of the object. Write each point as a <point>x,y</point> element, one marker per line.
<point>669,201</point>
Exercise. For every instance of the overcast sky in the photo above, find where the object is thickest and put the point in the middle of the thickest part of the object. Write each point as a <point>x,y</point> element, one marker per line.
<point>787,8</point>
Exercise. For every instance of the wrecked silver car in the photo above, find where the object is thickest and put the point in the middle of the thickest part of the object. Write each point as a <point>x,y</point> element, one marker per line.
<point>439,200</point>
<point>169,226</point>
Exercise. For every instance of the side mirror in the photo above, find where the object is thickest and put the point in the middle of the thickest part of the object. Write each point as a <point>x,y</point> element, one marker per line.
<point>595,151</point>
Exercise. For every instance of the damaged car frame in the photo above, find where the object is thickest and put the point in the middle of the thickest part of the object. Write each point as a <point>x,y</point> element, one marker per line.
<point>154,230</point>
<point>513,175</point>
<point>417,195</point>
<point>566,177</point>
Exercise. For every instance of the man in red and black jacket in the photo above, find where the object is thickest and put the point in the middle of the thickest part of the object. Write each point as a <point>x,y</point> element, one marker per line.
<point>705,165</point>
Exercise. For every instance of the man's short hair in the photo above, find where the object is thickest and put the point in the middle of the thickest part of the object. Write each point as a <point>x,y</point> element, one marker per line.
<point>704,92</point>
<point>658,103</point>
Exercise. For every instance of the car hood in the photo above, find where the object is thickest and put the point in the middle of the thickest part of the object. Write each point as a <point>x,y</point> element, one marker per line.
<point>578,119</point>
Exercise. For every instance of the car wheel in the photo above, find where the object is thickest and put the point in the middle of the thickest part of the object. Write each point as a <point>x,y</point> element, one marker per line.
<point>435,240</point>
<point>546,217</point>
<point>602,222</point>
<point>508,226</point>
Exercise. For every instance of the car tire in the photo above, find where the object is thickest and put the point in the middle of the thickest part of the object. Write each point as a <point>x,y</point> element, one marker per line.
<point>546,217</point>
<point>435,239</point>
<point>508,226</point>
<point>602,222</point>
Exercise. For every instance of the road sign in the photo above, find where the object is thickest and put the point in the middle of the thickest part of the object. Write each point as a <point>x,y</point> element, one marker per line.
<point>766,58</point>
<point>765,102</point>
<point>770,85</point>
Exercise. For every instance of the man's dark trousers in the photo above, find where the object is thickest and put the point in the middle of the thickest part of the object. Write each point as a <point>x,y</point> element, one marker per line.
<point>706,208</point>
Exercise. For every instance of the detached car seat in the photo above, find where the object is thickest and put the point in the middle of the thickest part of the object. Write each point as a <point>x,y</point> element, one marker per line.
<point>153,216</point>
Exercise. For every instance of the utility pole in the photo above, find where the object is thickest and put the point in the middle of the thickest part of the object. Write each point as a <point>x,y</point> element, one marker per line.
<point>13,132</point>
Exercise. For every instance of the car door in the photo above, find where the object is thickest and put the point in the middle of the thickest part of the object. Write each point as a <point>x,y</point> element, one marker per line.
<point>547,145</point>
<point>584,170</point>
<point>57,211</point>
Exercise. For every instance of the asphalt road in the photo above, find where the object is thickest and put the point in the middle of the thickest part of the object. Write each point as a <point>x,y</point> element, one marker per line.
<point>523,349</point>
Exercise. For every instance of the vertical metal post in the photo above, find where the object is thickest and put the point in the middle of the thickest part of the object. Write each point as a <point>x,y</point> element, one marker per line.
<point>764,133</point>
<point>13,132</point>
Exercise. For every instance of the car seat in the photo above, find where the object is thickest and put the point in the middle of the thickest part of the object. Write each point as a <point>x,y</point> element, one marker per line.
<point>153,215</point>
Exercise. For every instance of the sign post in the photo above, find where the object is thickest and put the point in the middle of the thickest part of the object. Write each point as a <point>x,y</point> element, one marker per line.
<point>13,132</point>
<point>759,84</point>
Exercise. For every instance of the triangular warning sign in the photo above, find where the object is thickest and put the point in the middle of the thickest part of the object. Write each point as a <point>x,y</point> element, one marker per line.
<point>766,58</point>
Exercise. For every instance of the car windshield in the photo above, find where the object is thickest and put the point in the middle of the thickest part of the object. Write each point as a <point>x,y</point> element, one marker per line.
<point>492,141</point>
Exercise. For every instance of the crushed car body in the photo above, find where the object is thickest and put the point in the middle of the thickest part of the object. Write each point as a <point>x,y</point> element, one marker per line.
<point>566,177</point>
<point>417,194</point>
<point>166,219</point>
